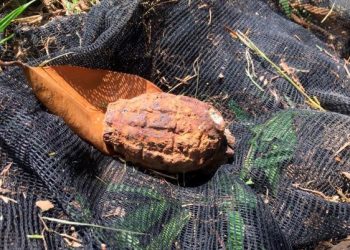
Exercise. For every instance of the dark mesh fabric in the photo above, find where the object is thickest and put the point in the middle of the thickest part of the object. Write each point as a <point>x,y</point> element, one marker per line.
<point>283,147</point>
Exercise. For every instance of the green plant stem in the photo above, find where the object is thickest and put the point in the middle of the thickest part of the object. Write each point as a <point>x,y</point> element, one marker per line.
<point>311,101</point>
<point>66,222</point>
<point>35,236</point>
<point>5,21</point>
<point>6,39</point>
<point>286,7</point>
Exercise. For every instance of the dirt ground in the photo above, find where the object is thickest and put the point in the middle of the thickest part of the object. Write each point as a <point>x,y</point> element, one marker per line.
<point>38,14</point>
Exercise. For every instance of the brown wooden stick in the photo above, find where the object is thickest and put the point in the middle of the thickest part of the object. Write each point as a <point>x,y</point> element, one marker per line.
<point>11,63</point>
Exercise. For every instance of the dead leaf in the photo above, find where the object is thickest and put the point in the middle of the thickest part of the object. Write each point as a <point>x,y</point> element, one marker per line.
<point>7,199</point>
<point>291,72</point>
<point>75,204</point>
<point>72,238</point>
<point>118,211</point>
<point>29,20</point>
<point>346,174</point>
<point>72,243</point>
<point>83,6</point>
<point>338,159</point>
<point>343,197</point>
<point>6,169</point>
<point>233,33</point>
<point>81,95</point>
<point>4,190</point>
<point>44,205</point>
<point>345,244</point>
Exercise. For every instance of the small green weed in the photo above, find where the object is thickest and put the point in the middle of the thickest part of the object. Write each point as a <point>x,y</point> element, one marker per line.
<point>6,20</point>
<point>312,101</point>
<point>74,6</point>
<point>71,6</point>
<point>287,9</point>
<point>272,146</point>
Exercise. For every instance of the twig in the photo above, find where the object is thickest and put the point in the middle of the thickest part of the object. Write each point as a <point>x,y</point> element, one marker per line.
<point>313,102</point>
<point>318,193</point>
<point>35,236</point>
<point>11,63</point>
<point>346,67</point>
<point>80,39</point>
<point>163,175</point>
<point>253,81</point>
<point>49,60</point>
<point>6,169</point>
<point>343,197</point>
<point>347,144</point>
<point>2,41</point>
<point>327,53</point>
<point>196,72</point>
<point>307,25</point>
<point>30,19</point>
<point>46,229</point>
<point>101,180</point>
<point>152,7</point>
<point>298,38</point>
<point>175,87</point>
<point>329,13</point>
<point>346,175</point>
<point>266,199</point>
<point>66,222</point>
<point>209,16</point>
<point>250,70</point>
<point>183,81</point>
<point>70,237</point>
<point>219,238</point>
<point>7,199</point>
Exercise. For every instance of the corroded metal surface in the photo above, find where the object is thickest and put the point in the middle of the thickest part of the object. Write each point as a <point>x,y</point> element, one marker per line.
<point>166,132</point>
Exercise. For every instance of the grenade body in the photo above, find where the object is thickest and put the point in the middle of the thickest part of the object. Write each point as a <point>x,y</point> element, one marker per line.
<point>166,132</point>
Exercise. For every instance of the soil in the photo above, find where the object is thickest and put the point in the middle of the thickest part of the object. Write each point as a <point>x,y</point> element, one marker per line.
<point>36,15</point>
